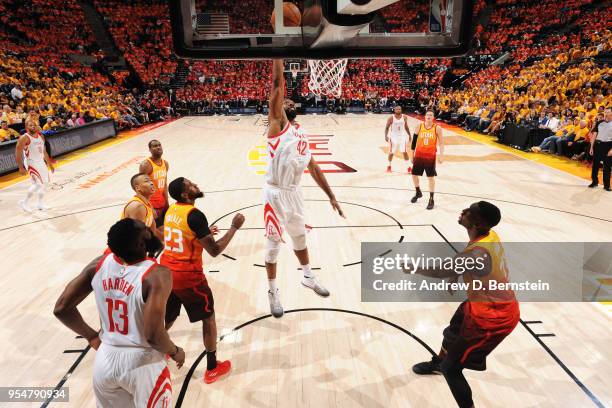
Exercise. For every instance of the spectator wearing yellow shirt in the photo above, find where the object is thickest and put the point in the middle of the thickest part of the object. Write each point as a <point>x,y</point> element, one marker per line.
<point>7,133</point>
<point>50,125</point>
<point>565,134</point>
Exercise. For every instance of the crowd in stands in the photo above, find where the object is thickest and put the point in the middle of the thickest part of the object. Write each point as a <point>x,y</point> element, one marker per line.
<point>141,30</point>
<point>563,95</point>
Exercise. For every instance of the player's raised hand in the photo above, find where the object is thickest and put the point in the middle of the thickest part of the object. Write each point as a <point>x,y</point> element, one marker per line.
<point>237,221</point>
<point>214,230</point>
<point>179,357</point>
<point>336,207</point>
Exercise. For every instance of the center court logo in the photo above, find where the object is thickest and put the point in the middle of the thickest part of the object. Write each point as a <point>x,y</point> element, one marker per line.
<point>319,146</point>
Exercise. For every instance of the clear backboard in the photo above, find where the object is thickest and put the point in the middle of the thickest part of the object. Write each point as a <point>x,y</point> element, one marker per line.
<point>226,29</point>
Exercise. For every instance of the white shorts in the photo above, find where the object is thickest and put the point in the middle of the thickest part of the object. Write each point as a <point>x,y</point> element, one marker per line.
<point>398,144</point>
<point>131,377</point>
<point>39,173</point>
<point>283,211</point>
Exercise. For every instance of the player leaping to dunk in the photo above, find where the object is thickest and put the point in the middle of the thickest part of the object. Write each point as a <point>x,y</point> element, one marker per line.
<point>283,201</point>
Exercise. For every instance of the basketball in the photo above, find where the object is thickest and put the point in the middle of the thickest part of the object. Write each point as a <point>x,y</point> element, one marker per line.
<point>291,16</point>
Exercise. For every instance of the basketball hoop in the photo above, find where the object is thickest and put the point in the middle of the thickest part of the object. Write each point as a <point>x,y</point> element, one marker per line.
<point>326,76</point>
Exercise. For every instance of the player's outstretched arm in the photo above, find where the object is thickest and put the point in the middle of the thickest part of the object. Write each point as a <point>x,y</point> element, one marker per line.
<point>319,178</point>
<point>157,287</point>
<point>216,247</point>
<point>276,112</point>
<point>74,293</point>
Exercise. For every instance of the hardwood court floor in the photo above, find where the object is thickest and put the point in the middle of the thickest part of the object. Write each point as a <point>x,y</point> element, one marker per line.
<point>351,354</point>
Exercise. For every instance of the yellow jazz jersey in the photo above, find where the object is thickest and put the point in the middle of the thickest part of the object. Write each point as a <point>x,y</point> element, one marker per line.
<point>158,176</point>
<point>182,249</point>
<point>150,217</point>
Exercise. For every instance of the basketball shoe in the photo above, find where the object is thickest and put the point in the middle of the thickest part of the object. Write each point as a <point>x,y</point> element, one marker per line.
<point>220,370</point>
<point>314,284</point>
<point>428,367</point>
<point>276,308</point>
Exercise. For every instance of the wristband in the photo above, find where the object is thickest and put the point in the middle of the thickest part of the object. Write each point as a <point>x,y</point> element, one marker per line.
<point>175,351</point>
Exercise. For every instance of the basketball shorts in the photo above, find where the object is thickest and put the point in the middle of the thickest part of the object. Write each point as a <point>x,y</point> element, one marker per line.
<point>131,377</point>
<point>398,144</point>
<point>283,211</point>
<point>198,301</point>
<point>39,173</point>
<point>468,344</point>
<point>425,165</point>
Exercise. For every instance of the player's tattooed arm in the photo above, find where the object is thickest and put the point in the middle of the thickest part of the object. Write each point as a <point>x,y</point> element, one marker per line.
<point>74,293</point>
<point>216,247</point>
<point>145,167</point>
<point>319,178</point>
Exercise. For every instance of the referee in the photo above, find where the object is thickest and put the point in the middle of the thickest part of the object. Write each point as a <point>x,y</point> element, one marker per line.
<point>601,150</point>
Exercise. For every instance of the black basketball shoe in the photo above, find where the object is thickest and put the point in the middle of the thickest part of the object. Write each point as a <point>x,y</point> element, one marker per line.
<point>428,367</point>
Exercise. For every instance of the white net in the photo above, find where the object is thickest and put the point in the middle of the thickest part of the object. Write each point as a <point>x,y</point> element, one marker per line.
<point>326,76</point>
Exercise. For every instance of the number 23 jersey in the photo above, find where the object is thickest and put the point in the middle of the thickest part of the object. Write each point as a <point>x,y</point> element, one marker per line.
<point>184,225</point>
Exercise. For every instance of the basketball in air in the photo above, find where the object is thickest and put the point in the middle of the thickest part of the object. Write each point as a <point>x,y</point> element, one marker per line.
<point>291,16</point>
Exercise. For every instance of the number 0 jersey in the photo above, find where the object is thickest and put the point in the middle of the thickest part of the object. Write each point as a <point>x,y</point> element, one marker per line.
<point>118,291</point>
<point>426,142</point>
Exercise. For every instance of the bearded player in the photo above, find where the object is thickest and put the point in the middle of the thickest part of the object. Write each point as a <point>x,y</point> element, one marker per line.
<point>400,136</point>
<point>131,290</point>
<point>31,146</point>
<point>484,320</point>
<point>157,170</point>
<point>187,234</point>
<point>283,201</point>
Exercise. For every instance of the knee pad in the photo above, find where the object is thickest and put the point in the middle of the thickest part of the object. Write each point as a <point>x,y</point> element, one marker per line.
<point>272,249</point>
<point>299,242</point>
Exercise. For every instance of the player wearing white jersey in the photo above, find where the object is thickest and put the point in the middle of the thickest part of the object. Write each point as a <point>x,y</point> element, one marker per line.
<point>289,156</point>
<point>131,292</point>
<point>400,136</point>
<point>32,158</point>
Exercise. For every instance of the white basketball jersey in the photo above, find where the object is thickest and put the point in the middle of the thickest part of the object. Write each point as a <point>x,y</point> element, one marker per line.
<point>118,291</point>
<point>34,151</point>
<point>397,127</point>
<point>289,156</point>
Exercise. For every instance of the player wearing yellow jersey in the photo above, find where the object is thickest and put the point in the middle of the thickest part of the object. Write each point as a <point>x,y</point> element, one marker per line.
<point>427,144</point>
<point>139,207</point>
<point>488,315</point>
<point>157,169</point>
<point>186,234</point>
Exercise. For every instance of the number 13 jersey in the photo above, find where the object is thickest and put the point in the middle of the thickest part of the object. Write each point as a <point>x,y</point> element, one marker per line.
<point>118,291</point>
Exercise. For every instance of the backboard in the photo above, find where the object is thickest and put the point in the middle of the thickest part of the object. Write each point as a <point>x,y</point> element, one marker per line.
<point>226,29</point>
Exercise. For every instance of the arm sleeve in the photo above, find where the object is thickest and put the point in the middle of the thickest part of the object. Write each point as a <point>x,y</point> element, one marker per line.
<point>198,223</point>
<point>415,136</point>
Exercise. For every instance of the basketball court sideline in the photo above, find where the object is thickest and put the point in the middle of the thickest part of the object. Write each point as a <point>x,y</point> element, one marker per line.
<point>324,352</point>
